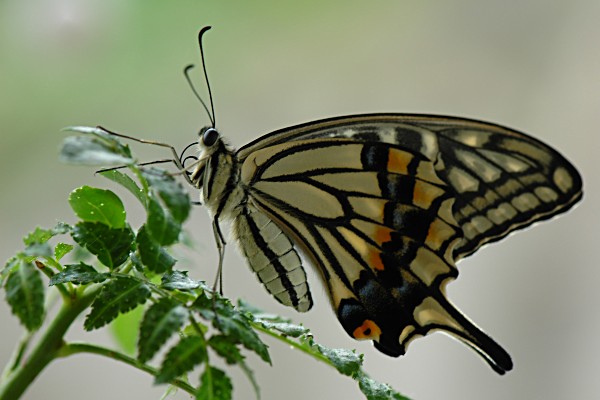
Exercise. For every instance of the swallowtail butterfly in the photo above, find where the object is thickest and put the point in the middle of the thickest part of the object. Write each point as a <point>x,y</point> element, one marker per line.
<point>383,205</point>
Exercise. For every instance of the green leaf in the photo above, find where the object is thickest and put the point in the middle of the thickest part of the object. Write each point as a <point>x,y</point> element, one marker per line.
<point>214,385</point>
<point>61,250</point>
<point>179,280</point>
<point>225,348</point>
<point>111,246</point>
<point>98,148</point>
<point>40,235</point>
<point>231,323</point>
<point>171,192</point>
<point>25,294</point>
<point>345,361</point>
<point>117,296</point>
<point>152,255</point>
<point>78,274</point>
<point>124,329</point>
<point>182,358</point>
<point>98,205</point>
<point>285,328</point>
<point>375,390</point>
<point>128,183</point>
<point>161,225</point>
<point>161,321</point>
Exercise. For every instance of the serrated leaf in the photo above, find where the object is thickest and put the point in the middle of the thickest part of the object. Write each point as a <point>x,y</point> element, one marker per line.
<point>120,295</point>
<point>128,183</point>
<point>98,205</point>
<point>78,274</point>
<point>89,150</point>
<point>62,249</point>
<point>231,323</point>
<point>225,348</point>
<point>285,328</point>
<point>171,192</point>
<point>179,280</point>
<point>41,235</point>
<point>161,321</point>
<point>10,265</point>
<point>25,294</point>
<point>125,328</point>
<point>152,255</point>
<point>374,390</point>
<point>182,358</point>
<point>345,361</point>
<point>214,385</point>
<point>161,225</point>
<point>111,246</point>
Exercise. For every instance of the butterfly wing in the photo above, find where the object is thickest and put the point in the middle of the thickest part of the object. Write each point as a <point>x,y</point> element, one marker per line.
<point>382,204</point>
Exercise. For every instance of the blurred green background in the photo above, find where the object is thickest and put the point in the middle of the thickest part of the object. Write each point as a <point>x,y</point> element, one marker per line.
<point>532,65</point>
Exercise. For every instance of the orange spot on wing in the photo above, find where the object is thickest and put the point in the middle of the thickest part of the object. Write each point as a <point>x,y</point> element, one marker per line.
<point>382,234</point>
<point>367,331</point>
<point>374,259</point>
<point>398,161</point>
<point>425,193</point>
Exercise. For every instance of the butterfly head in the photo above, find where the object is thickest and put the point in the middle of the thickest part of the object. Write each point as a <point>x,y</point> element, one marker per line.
<point>215,163</point>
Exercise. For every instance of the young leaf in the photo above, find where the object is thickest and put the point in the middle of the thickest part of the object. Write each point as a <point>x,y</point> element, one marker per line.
<point>25,294</point>
<point>40,235</point>
<point>78,274</point>
<point>345,361</point>
<point>87,150</point>
<point>214,385</point>
<point>98,205</point>
<point>62,249</point>
<point>128,183</point>
<point>182,358</point>
<point>161,225</point>
<point>178,280</point>
<point>171,192</point>
<point>375,390</point>
<point>160,322</point>
<point>120,295</point>
<point>152,255</point>
<point>111,246</point>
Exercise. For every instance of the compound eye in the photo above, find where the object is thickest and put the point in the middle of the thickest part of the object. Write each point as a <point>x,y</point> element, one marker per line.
<point>210,137</point>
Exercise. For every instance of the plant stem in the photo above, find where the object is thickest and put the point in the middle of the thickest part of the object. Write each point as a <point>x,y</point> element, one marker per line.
<point>74,348</point>
<point>47,347</point>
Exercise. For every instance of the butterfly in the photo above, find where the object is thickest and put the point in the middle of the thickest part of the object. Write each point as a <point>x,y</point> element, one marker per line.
<point>384,206</point>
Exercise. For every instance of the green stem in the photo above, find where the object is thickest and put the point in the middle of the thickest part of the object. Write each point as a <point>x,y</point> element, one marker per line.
<point>47,347</point>
<point>75,348</point>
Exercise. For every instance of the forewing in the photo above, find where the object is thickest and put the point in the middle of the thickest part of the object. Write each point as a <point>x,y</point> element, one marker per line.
<point>502,180</point>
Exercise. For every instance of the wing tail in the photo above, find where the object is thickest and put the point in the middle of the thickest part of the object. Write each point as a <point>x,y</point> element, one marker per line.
<point>439,314</point>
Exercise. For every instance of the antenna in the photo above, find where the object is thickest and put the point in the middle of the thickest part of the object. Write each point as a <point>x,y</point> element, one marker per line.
<point>186,72</point>
<point>212,106</point>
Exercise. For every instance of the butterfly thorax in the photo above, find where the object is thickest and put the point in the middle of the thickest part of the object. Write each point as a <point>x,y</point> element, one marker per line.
<point>217,175</point>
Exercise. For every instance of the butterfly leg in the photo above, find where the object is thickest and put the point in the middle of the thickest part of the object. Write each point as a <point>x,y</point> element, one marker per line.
<point>220,241</point>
